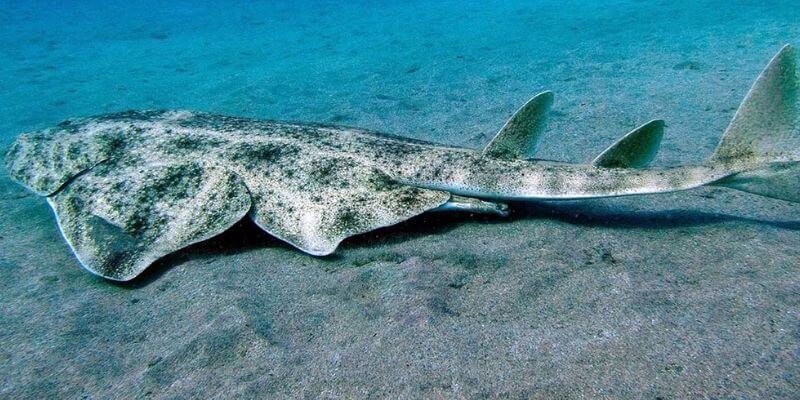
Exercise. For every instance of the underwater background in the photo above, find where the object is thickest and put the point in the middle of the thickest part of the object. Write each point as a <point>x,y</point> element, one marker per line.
<point>692,294</point>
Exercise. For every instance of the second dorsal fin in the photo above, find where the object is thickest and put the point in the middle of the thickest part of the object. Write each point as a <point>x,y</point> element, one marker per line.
<point>519,135</point>
<point>635,150</point>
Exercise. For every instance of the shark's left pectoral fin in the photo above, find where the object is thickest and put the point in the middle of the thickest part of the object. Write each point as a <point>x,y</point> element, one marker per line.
<point>521,133</point>
<point>635,150</point>
<point>118,221</point>
<point>321,201</point>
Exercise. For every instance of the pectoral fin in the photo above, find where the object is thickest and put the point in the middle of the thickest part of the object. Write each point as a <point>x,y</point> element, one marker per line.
<point>118,222</point>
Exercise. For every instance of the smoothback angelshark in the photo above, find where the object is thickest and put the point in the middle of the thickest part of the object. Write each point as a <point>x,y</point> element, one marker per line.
<point>131,187</point>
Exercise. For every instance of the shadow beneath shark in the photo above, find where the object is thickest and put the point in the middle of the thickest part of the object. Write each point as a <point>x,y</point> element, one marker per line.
<point>592,214</point>
<point>245,235</point>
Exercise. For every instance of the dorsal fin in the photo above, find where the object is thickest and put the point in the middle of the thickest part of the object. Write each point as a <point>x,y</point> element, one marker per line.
<point>519,135</point>
<point>635,150</point>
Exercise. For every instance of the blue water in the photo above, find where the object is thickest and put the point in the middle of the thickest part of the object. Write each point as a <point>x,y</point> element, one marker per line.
<point>450,71</point>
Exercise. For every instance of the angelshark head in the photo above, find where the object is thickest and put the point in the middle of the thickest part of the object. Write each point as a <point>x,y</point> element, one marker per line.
<point>45,160</point>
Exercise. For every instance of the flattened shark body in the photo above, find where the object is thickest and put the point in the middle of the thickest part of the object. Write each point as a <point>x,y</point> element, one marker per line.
<point>129,188</point>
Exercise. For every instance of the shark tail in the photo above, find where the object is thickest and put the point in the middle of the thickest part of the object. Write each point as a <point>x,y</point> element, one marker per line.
<point>761,146</point>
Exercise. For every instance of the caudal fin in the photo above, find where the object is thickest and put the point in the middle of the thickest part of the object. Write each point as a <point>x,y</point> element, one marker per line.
<point>762,142</point>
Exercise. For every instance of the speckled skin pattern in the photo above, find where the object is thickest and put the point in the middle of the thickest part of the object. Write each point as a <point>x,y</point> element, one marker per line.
<point>131,187</point>
<point>153,182</point>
